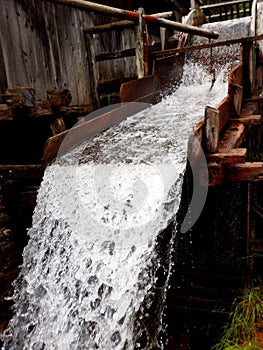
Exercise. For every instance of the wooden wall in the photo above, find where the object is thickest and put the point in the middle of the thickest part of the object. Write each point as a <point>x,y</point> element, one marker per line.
<point>43,45</point>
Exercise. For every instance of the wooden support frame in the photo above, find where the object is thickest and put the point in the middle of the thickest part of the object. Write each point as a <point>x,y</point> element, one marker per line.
<point>141,46</point>
<point>134,16</point>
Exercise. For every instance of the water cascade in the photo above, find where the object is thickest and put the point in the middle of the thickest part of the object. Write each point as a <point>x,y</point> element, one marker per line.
<point>91,261</point>
<point>90,267</point>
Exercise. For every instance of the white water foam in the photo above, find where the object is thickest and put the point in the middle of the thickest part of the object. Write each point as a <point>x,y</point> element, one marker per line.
<point>89,268</point>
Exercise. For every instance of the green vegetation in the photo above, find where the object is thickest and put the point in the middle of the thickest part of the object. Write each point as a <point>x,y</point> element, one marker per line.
<point>240,333</point>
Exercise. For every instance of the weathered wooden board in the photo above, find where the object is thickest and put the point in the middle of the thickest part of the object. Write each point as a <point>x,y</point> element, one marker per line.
<point>167,74</point>
<point>211,129</point>
<point>233,156</point>
<point>226,109</point>
<point>233,137</point>
<point>248,119</point>
<point>43,45</point>
<point>249,171</point>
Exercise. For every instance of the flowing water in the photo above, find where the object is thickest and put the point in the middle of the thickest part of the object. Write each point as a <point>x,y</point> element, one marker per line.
<point>89,270</point>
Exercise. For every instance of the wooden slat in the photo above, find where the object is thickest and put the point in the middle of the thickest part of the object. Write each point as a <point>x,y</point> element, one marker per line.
<point>211,129</point>
<point>114,55</point>
<point>233,137</point>
<point>233,156</point>
<point>248,120</point>
<point>249,171</point>
<point>225,109</point>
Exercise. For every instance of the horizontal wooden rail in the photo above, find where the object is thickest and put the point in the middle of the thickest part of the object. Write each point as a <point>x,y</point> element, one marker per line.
<point>171,52</point>
<point>134,16</point>
<point>114,55</point>
<point>121,24</point>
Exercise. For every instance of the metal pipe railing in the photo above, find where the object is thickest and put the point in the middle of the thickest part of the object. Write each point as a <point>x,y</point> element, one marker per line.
<point>134,16</point>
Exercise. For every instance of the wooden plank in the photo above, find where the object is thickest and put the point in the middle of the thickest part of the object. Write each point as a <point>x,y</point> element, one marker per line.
<point>235,75</point>
<point>225,108</point>
<point>195,143</point>
<point>249,171</point>
<point>233,137</point>
<point>114,55</point>
<point>236,91</point>
<point>215,173</point>
<point>143,90</point>
<point>248,119</point>
<point>233,156</point>
<point>139,45</point>
<point>101,28</point>
<point>109,26</point>
<point>64,141</point>
<point>168,73</point>
<point>211,129</point>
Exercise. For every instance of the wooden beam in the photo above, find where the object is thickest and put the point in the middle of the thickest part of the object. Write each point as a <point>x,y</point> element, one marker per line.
<point>211,128</point>
<point>247,120</point>
<point>249,171</point>
<point>215,173</point>
<point>109,26</point>
<point>233,156</point>
<point>172,52</point>
<point>233,137</point>
<point>114,55</point>
<point>134,16</point>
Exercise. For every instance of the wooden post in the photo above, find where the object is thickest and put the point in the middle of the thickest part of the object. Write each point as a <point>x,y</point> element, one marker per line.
<point>141,48</point>
<point>211,126</point>
<point>249,67</point>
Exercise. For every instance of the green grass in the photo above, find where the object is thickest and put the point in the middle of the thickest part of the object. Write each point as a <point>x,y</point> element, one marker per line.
<point>239,333</point>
